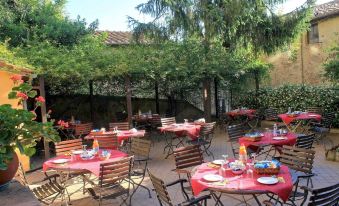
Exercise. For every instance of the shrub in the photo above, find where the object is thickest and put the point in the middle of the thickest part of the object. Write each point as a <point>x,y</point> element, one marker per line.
<point>298,97</point>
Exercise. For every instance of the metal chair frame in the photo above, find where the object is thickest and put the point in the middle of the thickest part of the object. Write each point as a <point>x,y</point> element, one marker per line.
<point>327,196</point>
<point>163,196</point>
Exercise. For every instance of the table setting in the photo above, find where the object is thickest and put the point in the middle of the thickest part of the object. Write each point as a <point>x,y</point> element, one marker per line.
<point>298,117</point>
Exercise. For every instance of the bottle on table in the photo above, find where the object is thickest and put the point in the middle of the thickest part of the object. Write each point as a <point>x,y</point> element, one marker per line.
<point>95,146</point>
<point>275,130</point>
<point>243,154</point>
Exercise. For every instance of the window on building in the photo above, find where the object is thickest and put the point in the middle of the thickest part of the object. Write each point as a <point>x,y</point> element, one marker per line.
<point>313,34</point>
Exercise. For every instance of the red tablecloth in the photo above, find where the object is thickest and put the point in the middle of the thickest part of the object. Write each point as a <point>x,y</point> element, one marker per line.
<point>239,183</point>
<point>191,130</point>
<point>267,140</point>
<point>303,116</point>
<point>91,165</point>
<point>122,134</point>
<point>241,112</point>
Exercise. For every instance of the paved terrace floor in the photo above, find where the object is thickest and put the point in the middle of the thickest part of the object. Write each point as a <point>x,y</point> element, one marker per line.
<point>327,174</point>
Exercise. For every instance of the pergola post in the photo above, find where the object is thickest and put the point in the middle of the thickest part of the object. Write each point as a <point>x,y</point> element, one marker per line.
<point>91,100</point>
<point>156,88</point>
<point>43,113</point>
<point>128,98</point>
<point>207,99</point>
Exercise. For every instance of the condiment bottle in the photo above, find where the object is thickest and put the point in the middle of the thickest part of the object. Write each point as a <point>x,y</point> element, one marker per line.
<point>243,154</point>
<point>96,146</point>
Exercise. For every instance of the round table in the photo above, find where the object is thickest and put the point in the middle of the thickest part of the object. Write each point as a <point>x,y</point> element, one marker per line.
<point>304,116</point>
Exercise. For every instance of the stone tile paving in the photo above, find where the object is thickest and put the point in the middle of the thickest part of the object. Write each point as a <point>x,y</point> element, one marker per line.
<point>327,174</point>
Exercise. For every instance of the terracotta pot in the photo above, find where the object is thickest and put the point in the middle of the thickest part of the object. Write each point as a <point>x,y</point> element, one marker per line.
<point>7,175</point>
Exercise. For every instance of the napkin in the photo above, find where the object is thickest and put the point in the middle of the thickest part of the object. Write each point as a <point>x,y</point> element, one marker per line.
<point>211,165</point>
<point>222,183</point>
<point>281,179</point>
<point>133,130</point>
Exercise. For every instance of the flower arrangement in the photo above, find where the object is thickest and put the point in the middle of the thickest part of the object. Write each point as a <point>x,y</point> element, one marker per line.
<point>17,126</point>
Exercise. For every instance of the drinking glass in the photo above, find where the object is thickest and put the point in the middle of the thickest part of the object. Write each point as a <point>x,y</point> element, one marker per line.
<point>186,121</point>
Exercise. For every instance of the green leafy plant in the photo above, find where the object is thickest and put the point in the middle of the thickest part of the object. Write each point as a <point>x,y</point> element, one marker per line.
<point>17,126</point>
<point>298,97</point>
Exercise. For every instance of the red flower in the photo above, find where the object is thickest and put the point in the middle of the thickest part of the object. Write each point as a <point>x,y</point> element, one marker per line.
<point>22,95</point>
<point>63,124</point>
<point>40,99</point>
<point>17,78</point>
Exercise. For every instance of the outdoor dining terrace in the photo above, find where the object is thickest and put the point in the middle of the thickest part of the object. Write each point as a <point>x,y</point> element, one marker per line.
<point>166,163</point>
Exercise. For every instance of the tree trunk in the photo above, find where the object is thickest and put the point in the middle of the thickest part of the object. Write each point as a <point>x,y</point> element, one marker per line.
<point>91,100</point>
<point>156,88</point>
<point>207,99</point>
<point>43,113</point>
<point>257,82</point>
<point>216,100</point>
<point>128,98</point>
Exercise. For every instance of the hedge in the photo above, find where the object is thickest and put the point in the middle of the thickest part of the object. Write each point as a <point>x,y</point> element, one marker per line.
<point>298,97</point>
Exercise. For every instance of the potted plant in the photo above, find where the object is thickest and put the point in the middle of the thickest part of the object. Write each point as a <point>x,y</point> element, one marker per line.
<point>18,130</point>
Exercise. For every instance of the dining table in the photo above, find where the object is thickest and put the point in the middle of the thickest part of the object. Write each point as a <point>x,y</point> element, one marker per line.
<point>248,114</point>
<point>123,135</point>
<point>269,140</point>
<point>191,130</point>
<point>242,184</point>
<point>65,164</point>
<point>294,122</point>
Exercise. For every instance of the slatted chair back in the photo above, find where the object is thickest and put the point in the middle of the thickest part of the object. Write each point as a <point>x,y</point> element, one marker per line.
<point>160,189</point>
<point>140,147</point>
<point>327,196</point>
<point>317,110</point>
<point>189,156</point>
<point>327,119</point>
<point>21,175</point>
<point>234,133</point>
<point>66,147</point>
<point>119,126</point>
<point>83,129</point>
<point>207,129</point>
<point>298,159</point>
<point>107,141</point>
<point>167,121</point>
<point>112,173</point>
<point>305,141</point>
<point>155,120</point>
<point>271,114</point>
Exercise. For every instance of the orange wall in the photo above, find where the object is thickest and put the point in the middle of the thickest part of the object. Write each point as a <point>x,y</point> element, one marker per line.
<point>6,85</point>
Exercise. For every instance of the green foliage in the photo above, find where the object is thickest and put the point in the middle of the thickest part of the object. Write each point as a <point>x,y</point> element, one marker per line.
<point>40,20</point>
<point>331,66</point>
<point>18,130</point>
<point>10,56</point>
<point>298,97</point>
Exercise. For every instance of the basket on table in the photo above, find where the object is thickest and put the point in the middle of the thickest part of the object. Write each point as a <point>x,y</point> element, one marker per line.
<point>269,171</point>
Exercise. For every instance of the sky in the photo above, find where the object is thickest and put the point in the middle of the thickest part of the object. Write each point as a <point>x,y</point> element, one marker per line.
<point>112,14</point>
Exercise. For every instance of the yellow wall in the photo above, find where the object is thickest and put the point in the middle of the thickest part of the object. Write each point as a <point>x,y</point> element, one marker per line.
<point>310,69</point>
<point>6,85</point>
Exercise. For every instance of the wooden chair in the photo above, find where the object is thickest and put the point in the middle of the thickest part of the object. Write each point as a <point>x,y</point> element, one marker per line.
<point>47,190</point>
<point>327,196</point>
<point>163,196</point>
<point>186,158</point>
<point>234,133</point>
<point>169,137</point>
<point>119,126</point>
<point>140,149</point>
<point>107,141</point>
<point>300,162</point>
<point>205,138</point>
<point>66,147</point>
<point>81,130</point>
<point>271,114</point>
<point>317,110</point>
<point>112,176</point>
<point>305,141</point>
<point>323,128</point>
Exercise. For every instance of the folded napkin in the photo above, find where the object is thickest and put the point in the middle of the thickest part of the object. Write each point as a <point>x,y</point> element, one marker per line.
<point>281,179</point>
<point>222,183</point>
<point>211,165</point>
<point>133,130</point>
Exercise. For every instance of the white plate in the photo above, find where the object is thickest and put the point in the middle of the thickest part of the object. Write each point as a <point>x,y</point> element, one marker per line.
<point>60,161</point>
<point>77,152</point>
<point>279,138</point>
<point>212,178</point>
<point>268,180</point>
<point>218,162</point>
<point>312,115</point>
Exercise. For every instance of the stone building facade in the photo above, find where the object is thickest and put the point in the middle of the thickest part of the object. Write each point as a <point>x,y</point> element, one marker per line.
<point>303,62</point>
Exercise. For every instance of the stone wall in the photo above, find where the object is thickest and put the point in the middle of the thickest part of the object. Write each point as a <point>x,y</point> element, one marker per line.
<point>307,66</point>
